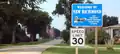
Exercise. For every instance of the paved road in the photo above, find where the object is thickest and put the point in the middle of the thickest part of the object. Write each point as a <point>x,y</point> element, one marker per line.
<point>30,49</point>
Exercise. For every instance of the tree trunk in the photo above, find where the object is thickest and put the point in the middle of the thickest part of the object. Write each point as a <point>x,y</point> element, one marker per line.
<point>45,35</point>
<point>13,35</point>
<point>1,36</point>
<point>33,37</point>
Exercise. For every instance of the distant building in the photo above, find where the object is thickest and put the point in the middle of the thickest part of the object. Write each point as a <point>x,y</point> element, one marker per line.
<point>57,32</point>
<point>50,31</point>
<point>53,32</point>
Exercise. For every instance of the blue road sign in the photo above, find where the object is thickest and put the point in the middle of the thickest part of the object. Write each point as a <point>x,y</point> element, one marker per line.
<point>86,15</point>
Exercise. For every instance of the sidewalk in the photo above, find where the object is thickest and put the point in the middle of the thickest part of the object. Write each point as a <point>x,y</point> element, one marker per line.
<point>30,49</point>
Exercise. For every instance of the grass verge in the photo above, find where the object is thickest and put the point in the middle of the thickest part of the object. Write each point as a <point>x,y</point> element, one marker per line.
<point>54,50</point>
<point>24,43</point>
<point>100,45</point>
<point>62,45</point>
<point>61,50</point>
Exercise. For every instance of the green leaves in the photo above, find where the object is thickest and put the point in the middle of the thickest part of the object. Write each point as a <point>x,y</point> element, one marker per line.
<point>102,35</point>
<point>89,1</point>
<point>65,35</point>
<point>109,20</point>
<point>64,8</point>
<point>59,10</point>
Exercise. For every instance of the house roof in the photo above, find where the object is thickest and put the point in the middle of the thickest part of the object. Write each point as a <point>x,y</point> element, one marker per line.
<point>113,26</point>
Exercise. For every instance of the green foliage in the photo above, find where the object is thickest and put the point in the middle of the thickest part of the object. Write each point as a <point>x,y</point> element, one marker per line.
<point>22,11</point>
<point>59,8</point>
<point>110,48</point>
<point>102,36</point>
<point>65,35</point>
<point>64,8</point>
<point>39,16</point>
<point>89,1</point>
<point>109,20</point>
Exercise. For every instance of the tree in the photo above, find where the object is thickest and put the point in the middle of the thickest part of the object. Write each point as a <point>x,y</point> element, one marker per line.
<point>109,20</point>
<point>14,12</point>
<point>18,5</point>
<point>37,23</point>
<point>64,8</point>
<point>65,35</point>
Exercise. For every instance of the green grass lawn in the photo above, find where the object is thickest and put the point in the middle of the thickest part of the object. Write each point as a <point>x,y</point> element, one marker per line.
<point>61,50</point>
<point>24,43</point>
<point>62,45</point>
<point>54,50</point>
<point>92,45</point>
<point>116,46</point>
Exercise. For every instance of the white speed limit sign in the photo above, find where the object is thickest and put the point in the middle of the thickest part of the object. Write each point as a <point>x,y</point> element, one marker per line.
<point>77,36</point>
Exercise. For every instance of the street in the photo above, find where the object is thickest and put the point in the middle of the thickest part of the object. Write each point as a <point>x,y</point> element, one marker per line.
<point>27,49</point>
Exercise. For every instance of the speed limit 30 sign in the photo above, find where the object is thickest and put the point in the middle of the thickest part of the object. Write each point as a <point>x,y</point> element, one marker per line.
<point>77,36</point>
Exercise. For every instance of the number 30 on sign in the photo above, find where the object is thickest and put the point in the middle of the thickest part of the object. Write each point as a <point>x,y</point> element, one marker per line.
<point>77,36</point>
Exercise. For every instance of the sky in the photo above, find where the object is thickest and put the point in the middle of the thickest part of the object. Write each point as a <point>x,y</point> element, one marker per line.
<point>110,7</point>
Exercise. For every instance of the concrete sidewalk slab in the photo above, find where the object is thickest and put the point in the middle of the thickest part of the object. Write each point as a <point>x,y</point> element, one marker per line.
<point>30,49</point>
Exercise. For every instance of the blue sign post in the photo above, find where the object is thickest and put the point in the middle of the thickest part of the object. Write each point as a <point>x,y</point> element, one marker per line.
<point>86,15</point>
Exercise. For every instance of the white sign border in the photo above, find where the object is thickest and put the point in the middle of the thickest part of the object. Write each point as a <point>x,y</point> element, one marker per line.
<point>83,40</point>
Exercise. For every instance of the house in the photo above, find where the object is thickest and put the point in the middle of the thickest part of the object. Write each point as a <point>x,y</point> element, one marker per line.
<point>114,32</point>
<point>57,32</point>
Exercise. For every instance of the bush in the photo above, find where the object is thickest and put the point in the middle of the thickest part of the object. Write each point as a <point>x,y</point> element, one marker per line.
<point>102,36</point>
<point>110,48</point>
<point>65,36</point>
